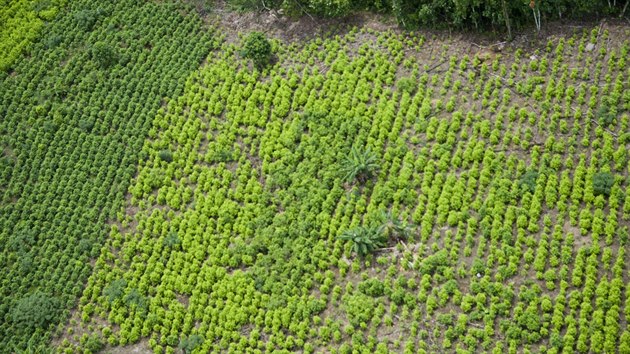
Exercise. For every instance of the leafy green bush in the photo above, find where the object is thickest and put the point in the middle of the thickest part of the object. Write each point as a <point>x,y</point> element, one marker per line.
<point>434,262</point>
<point>172,240</point>
<point>605,115</point>
<point>115,290</point>
<point>602,183</point>
<point>86,19</point>
<point>257,47</point>
<point>86,125</point>
<point>372,287</point>
<point>37,310</point>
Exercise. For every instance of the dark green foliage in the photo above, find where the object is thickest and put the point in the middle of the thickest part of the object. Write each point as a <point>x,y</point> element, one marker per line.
<point>134,299</point>
<point>172,240</point>
<point>478,267</point>
<point>86,19</point>
<point>37,310</point>
<point>115,290</point>
<point>203,7</point>
<point>364,239</point>
<point>103,54</point>
<point>257,48</point>
<point>528,180</point>
<point>189,344</point>
<point>327,8</point>
<point>499,15</point>
<point>605,115</point>
<point>165,155</point>
<point>53,41</point>
<point>86,125</point>
<point>602,183</point>
<point>359,165</point>
<point>245,5</point>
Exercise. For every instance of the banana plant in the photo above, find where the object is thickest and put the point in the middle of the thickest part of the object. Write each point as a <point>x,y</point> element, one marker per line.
<point>365,240</point>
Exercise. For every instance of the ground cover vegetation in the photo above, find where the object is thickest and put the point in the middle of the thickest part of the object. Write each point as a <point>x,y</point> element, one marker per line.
<point>376,192</point>
<point>74,112</point>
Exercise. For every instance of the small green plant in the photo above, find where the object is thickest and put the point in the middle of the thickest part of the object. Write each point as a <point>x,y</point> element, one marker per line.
<point>602,183</point>
<point>364,239</point>
<point>360,165</point>
<point>257,47</point>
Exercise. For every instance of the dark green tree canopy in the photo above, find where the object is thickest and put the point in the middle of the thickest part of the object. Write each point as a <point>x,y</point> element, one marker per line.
<point>37,310</point>
<point>257,47</point>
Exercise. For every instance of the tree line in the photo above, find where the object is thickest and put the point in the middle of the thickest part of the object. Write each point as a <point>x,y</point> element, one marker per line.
<point>498,15</point>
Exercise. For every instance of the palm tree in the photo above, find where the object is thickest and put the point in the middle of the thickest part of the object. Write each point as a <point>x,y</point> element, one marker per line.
<point>360,165</point>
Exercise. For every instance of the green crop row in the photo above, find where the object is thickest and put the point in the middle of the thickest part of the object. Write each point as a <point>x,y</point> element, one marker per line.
<point>70,134</point>
<point>516,205</point>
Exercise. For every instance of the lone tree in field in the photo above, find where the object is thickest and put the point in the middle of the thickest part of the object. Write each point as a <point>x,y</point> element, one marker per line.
<point>256,47</point>
<point>360,165</point>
